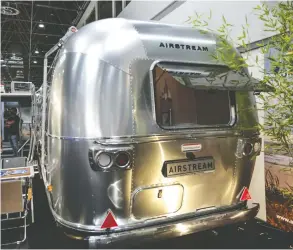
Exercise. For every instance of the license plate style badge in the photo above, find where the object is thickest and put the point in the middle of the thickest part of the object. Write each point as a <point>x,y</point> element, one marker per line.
<point>185,167</point>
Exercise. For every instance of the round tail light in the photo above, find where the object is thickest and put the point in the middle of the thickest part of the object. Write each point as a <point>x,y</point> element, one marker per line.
<point>104,160</point>
<point>247,150</point>
<point>122,160</point>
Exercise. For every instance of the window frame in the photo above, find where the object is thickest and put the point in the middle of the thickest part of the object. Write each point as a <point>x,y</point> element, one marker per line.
<point>233,117</point>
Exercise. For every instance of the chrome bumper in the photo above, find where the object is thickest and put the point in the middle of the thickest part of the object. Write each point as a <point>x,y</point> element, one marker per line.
<point>179,228</point>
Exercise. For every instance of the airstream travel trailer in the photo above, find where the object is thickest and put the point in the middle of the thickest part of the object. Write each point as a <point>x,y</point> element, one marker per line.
<point>144,135</point>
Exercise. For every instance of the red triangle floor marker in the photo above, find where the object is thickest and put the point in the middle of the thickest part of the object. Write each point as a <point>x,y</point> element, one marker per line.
<point>109,221</point>
<point>245,195</point>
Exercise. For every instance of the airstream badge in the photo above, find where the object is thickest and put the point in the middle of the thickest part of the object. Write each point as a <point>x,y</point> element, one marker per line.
<point>183,46</point>
<point>186,167</point>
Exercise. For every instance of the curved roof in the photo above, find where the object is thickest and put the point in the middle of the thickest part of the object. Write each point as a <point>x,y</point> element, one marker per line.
<point>101,83</point>
<point>119,41</point>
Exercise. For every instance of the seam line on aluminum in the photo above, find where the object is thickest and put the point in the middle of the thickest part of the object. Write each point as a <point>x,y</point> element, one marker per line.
<point>133,138</point>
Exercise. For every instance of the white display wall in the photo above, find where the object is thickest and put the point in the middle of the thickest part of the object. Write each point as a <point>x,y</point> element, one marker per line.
<point>234,12</point>
<point>144,10</point>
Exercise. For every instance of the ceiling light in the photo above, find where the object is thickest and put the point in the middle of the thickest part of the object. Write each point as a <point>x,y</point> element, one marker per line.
<point>4,65</point>
<point>35,61</point>
<point>36,51</point>
<point>9,11</point>
<point>41,25</point>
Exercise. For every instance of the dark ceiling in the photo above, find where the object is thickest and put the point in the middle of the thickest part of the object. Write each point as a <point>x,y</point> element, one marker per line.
<point>28,35</point>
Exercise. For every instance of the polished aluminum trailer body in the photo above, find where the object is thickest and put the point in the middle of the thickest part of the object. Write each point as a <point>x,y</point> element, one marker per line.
<point>102,99</point>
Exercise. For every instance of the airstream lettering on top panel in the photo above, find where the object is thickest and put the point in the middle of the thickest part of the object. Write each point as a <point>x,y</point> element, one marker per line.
<point>183,46</point>
<point>144,135</point>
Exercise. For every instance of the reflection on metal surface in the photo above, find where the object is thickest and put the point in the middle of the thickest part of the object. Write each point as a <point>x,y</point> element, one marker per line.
<point>239,149</point>
<point>101,99</point>
<point>205,209</point>
<point>182,229</point>
<point>226,192</point>
<point>161,151</point>
<point>115,194</point>
<point>170,230</point>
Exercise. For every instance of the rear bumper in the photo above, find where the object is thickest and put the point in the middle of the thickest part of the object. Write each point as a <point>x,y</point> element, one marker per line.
<point>179,228</point>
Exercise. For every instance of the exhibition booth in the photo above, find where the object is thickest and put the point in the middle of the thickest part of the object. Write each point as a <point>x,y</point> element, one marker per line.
<point>147,138</point>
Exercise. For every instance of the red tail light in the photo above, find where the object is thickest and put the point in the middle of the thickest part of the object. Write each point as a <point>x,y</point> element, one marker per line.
<point>122,160</point>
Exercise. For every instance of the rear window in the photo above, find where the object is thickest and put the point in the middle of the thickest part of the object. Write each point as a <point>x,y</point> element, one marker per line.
<point>178,105</point>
